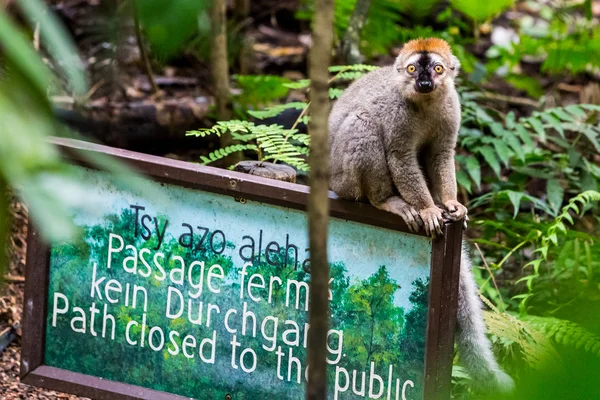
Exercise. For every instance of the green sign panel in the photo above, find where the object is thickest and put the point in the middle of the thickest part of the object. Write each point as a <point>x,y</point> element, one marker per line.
<point>195,284</point>
<point>196,294</point>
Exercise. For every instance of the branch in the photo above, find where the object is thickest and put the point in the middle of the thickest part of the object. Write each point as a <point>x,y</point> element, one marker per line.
<point>144,54</point>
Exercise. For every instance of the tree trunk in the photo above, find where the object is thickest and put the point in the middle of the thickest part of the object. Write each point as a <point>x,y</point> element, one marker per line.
<point>246,57</point>
<point>242,9</point>
<point>220,72</point>
<point>318,202</point>
<point>351,41</point>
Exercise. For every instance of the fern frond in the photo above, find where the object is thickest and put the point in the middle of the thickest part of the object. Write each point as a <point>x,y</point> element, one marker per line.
<point>566,333</point>
<point>300,84</point>
<point>549,238</point>
<point>354,67</point>
<point>278,109</point>
<point>349,75</point>
<point>537,350</point>
<point>335,93</point>
<point>224,152</point>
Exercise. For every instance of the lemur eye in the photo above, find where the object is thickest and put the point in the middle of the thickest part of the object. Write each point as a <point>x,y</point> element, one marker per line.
<point>411,69</point>
<point>439,69</point>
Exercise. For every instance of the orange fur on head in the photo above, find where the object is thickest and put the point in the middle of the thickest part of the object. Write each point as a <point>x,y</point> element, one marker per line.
<point>432,45</point>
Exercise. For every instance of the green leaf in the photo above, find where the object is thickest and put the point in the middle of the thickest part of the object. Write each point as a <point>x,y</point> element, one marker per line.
<point>576,111</point>
<point>538,127</point>
<point>497,129</point>
<point>354,67</point>
<point>592,136</point>
<point>543,251</point>
<point>463,180</point>
<point>554,123</point>
<point>514,143</point>
<point>560,113</point>
<point>555,193</point>
<point>301,84</point>
<point>489,156</point>
<point>525,136</point>
<point>474,170</point>
<point>480,11</point>
<point>168,25</point>
<point>529,84</point>
<point>278,109</point>
<point>18,51</point>
<point>590,107</point>
<point>502,150</point>
<point>510,120</point>
<point>568,217</point>
<point>515,199</point>
<point>335,93</point>
<point>57,41</point>
<point>259,90</point>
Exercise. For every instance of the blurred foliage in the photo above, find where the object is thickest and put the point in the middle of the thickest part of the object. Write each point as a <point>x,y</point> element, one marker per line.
<point>25,155</point>
<point>260,90</point>
<point>481,11</point>
<point>29,163</point>
<point>562,37</point>
<point>169,25</point>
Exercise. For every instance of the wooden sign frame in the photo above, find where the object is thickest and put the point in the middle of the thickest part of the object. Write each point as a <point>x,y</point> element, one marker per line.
<point>444,272</point>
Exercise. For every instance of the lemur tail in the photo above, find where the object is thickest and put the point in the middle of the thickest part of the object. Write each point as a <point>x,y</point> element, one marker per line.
<point>473,346</point>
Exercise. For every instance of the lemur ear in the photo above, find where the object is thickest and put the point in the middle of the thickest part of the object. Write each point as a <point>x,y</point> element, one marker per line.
<point>397,65</point>
<point>454,65</point>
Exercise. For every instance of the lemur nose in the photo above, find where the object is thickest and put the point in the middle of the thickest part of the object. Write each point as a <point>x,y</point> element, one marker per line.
<point>424,86</point>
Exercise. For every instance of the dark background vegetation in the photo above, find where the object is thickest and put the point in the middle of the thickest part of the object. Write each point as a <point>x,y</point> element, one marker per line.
<point>528,161</point>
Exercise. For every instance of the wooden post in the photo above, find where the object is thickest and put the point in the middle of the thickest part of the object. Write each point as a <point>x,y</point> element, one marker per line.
<point>318,202</point>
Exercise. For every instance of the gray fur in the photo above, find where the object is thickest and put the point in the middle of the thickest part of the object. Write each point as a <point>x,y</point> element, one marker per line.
<point>394,147</point>
<point>473,345</point>
<point>378,127</point>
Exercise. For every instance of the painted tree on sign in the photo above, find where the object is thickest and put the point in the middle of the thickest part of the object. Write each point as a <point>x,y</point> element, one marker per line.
<point>371,319</point>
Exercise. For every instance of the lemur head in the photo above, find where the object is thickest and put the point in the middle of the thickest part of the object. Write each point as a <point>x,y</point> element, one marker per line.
<point>425,66</point>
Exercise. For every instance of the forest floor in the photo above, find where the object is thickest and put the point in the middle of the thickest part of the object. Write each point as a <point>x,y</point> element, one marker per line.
<point>11,313</point>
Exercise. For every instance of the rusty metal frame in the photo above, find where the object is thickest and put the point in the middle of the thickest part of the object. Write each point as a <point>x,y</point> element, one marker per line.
<point>443,289</point>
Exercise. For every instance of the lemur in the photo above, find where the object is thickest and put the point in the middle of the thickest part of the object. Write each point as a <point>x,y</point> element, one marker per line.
<point>392,136</point>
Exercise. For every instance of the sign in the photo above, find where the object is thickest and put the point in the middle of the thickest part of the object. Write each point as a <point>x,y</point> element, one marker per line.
<point>200,290</point>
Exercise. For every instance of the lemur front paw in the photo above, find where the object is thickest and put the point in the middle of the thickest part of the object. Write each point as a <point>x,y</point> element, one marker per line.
<point>432,220</point>
<point>455,211</point>
<point>411,217</point>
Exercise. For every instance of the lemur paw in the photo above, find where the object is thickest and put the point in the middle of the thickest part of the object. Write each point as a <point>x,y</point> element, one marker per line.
<point>432,220</point>
<point>411,217</point>
<point>454,210</point>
